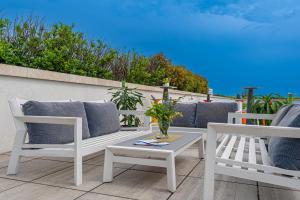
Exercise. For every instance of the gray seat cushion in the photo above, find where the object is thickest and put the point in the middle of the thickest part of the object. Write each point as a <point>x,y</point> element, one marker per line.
<point>285,152</point>
<point>188,115</point>
<point>103,118</point>
<point>53,133</point>
<point>213,112</point>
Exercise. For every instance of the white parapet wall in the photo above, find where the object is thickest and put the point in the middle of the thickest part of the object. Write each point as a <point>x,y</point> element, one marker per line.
<point>36,84</point>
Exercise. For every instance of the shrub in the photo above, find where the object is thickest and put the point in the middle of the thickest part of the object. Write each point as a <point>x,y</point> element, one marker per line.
<point>29,43</point>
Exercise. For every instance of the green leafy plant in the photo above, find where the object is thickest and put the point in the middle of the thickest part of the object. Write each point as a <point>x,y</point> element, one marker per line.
<point>164,113</point>
<point>267,104</point>
<point>127,99</point>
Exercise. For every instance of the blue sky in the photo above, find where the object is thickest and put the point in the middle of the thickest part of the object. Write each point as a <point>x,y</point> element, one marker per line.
<point>234,43</point>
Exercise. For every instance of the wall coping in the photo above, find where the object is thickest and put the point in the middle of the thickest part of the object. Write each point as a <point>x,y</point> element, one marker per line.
<point>30,73</point>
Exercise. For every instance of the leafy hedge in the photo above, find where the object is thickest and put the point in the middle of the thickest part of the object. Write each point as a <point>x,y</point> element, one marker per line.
<point>30,43</point>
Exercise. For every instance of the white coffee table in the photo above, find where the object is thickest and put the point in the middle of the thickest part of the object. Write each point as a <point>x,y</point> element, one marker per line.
<point>127,152</point>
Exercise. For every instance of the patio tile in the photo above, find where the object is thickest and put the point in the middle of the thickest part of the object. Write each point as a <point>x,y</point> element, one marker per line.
<point>183,164</point>
<point>191,152</point>
<point>138,185</point>
<point>6,184</point>
<point>92,177</point>
<point>192,189</point>
<point>94,196</point>
<point>275,186</point>
<point>4,158</point>
<point>199,172</point>
<point>34,169</point>
<point>32,191</point>
<point>266,193</point>
<point>99,160</point>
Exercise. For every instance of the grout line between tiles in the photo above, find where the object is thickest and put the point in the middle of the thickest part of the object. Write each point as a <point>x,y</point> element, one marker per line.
<point>68,187</point>
<point>23,182</point>
<point>31,181</point>
<point>90,191</point>
<point>110,195</point>
<point>277,188</point>
<point>183,180</point>
<point>257,190</point>
<point>20,161</point>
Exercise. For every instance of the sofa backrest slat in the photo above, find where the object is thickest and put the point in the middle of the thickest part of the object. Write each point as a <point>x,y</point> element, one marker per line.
<point>264,153</point>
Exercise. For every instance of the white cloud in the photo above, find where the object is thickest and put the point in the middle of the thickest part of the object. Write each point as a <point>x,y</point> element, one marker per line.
<point>265,11</point>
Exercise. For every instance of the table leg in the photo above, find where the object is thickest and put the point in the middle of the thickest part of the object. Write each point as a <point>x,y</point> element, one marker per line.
<point>108,166</point>
<point>201,148</point>
<point>171,175</point>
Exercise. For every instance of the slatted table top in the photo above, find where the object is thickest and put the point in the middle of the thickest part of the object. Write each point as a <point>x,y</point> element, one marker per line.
<point>180,142</point>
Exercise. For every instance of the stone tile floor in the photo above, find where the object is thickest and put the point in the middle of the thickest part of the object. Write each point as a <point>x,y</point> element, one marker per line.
<point>52,179</point>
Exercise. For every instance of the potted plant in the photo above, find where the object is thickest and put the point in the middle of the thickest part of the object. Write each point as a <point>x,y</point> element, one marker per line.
<point>166,82</point>
<point>127,99</point>
<point>267,104</point>
<point>164,113</point>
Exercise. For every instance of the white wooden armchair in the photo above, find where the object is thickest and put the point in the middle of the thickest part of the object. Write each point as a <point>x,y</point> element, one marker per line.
<point>77,150</point>
<point>242,153</point>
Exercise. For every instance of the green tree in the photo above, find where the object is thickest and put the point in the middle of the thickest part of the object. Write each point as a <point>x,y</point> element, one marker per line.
<point>138,70</point>
<point>158,67</point>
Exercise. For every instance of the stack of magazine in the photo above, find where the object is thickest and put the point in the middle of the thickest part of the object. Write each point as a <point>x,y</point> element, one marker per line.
<point>151,142</point>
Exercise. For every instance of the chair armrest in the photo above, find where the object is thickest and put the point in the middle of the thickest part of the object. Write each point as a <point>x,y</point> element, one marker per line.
<point>253,130</point>
<point>238,116</point>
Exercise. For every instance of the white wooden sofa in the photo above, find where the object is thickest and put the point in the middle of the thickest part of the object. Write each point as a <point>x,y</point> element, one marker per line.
<point>242,153</point>
<point>76,150</point>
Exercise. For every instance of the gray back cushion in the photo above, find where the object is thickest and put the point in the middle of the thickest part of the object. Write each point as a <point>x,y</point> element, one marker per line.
<point>213,112</point>
<point>53,133</point>
<point>280,114</point>
<point>188,115</point>
<point>285,152</point>
<point>278,117</point>
<point>103,118</point>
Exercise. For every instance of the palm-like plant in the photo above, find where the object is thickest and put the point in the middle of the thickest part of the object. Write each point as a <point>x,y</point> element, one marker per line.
<point>267,104</point>
<point>127,99</point>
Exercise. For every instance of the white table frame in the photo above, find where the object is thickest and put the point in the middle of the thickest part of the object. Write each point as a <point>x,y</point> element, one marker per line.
<point>146,156</point>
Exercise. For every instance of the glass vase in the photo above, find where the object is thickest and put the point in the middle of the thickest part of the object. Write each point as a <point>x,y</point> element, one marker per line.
<point>163,127</point>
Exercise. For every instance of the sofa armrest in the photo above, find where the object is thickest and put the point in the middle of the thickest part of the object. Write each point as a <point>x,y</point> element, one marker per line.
<point>75,121</point>
<point>253,130</point>
<point>238,116</point>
